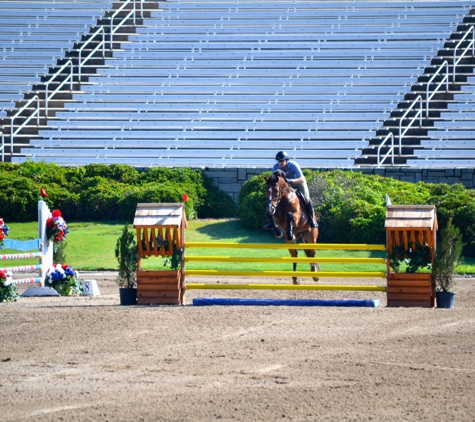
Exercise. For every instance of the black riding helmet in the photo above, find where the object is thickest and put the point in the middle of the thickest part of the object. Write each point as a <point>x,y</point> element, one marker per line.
<point>282,155</point>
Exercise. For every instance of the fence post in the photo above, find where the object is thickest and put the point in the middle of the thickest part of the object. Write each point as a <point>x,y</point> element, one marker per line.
<point>46,260</point>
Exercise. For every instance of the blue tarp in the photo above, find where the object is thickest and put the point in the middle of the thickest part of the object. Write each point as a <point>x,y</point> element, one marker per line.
<point>208,301</point>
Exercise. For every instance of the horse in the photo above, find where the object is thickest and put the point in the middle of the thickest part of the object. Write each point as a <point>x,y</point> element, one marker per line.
<point>289,216</point>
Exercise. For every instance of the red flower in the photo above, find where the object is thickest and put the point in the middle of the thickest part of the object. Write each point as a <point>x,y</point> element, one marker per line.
<point>43,192</point>
<point>65,266</point>
<point>2,236</point>
<point>49,222</point>
<point>56,213</point>
<point>185,197</point>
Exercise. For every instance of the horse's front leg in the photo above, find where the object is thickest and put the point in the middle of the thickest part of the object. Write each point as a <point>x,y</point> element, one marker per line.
<point>294,254</point>
<point>289,232</point>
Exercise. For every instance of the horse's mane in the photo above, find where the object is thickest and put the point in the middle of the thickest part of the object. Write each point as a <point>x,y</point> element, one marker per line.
<point>275,176</point>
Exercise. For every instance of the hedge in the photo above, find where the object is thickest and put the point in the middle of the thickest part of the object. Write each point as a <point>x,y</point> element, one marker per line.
<point>98,192</point>
<point>351,206</point>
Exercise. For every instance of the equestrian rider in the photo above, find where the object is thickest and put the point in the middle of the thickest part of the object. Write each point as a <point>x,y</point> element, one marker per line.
<point>296,179</point>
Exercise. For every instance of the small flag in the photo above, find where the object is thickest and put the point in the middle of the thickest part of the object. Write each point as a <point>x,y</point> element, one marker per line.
<point>43,192</point>
<point>185,197</point>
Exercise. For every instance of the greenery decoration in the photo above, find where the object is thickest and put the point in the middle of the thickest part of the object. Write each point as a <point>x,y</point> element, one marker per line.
<point>56,229</point>
<point>64,280</point>
<point>8,292</point>
<point>413,259</point>
<point>448,253</point>
<point>126,253</point>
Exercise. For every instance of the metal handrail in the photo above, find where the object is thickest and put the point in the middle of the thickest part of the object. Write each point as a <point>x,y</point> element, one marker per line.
<point>37,112</point>
<point>101,44</point>
<point>471,44</point>
<point>391,150</point>
<point>70,78</point>
<point>121,23</point>
<point>418,114</point>
<point>3,146</point>
<point>444,79</point>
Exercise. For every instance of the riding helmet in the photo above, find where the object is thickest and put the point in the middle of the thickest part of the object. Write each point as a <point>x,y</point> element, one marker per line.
<point>282,155</point>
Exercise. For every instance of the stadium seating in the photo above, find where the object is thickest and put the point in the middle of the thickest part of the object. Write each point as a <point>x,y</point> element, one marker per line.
<point>227,83</point>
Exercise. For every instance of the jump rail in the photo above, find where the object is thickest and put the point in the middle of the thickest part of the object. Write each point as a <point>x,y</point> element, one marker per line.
<point>45,253</point>
<point>279,273</point>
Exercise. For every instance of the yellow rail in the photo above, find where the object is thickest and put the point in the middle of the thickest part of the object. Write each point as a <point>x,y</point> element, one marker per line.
<point>200,286</point>
<point>286,259</point>
<point>336,274</point>
<point>341,246</point>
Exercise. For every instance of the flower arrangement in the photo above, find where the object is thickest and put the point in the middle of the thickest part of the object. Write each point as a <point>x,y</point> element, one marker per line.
<point>56,229</point>
<point>8,292</point>
<point>64,280</point>
<point>3,231</point>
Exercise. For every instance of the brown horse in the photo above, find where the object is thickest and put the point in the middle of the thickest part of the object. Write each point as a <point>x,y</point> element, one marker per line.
<point>289,217</point>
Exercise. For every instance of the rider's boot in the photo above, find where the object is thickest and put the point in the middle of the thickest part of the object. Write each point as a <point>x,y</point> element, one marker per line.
<point>310,213</point>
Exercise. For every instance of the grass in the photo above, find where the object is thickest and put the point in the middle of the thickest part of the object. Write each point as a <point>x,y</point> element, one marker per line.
<point>90,247</point>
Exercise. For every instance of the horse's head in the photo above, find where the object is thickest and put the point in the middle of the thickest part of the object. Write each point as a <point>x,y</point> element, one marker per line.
<point>276,188</point>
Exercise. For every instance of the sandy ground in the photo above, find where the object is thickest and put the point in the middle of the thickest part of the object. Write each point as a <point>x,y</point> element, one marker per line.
<point>90,359</point>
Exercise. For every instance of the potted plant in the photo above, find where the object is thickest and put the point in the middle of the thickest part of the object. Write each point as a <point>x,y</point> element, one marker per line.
<point>448,253</point>
<point>126,255</point>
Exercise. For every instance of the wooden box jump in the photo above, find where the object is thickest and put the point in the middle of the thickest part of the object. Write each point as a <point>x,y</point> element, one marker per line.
<point>160,232</point>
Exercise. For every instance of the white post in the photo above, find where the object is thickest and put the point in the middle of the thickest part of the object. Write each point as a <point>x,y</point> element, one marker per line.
<point>46,260</point>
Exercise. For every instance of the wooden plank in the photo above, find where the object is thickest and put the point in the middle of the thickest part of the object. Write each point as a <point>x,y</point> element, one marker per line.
<point>409,304</point>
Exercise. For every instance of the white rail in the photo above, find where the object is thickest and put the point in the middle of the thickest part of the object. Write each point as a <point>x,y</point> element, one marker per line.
<point>444,79</point>
<point>113,29</point>
<point>418,114</point>
<point>36,112</point>
<point>3,146</point>
<point>69,78</point>
<point>102,44</point>
<point>470,44</point>
<point>390,151</point>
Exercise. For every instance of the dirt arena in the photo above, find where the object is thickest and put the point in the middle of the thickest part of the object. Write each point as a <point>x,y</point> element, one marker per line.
<point>90,359</point>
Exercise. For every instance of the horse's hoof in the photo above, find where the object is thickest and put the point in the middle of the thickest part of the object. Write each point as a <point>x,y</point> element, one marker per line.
<point>315,278</point>
<point>294,280</point>
<point>278,234</point>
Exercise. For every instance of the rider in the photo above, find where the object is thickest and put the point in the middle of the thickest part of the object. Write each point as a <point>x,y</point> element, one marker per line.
<point>296,179</point>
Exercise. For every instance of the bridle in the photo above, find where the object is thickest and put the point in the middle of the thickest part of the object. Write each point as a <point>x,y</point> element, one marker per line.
<point>273,202</point>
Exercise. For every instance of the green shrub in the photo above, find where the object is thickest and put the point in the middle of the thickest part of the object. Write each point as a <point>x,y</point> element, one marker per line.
<point>118,172</point>
<point>252,202</point>
<point>18,198</point>
<point>351,207</point>
<point>216,204</point>
<point>152,193</point>
<point>99,199</point>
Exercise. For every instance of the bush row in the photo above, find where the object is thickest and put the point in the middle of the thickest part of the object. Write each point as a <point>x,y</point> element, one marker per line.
<point>105,192</point>
<point>351,206</point>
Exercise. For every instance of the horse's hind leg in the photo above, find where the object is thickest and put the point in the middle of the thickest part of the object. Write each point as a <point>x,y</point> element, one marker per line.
<point>294,254</point>
<point>313,266</point>
<point>290,234</point>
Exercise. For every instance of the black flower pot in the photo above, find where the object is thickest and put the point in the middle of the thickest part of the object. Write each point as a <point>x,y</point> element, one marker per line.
<point>445,299</point>
<point>128,296</point>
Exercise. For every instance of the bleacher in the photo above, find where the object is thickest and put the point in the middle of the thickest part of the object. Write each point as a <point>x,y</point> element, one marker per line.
<point>226,84</point>
<point>34,35</point>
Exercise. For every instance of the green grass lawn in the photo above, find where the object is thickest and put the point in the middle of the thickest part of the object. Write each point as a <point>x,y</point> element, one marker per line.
<point>90,247</point>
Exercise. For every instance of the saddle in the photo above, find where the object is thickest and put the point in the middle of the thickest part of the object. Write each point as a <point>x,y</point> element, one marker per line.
<point>301,198</point>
